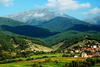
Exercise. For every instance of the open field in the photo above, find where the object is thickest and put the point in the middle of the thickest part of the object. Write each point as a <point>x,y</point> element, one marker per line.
<point>18,64</point>
<point>28,64</point>
<point>52,60</point>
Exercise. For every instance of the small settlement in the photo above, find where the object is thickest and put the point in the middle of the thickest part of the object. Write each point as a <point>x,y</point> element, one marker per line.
<point>85,51</point>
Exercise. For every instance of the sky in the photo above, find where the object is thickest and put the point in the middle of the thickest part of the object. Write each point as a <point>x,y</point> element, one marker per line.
<point>81,9</point>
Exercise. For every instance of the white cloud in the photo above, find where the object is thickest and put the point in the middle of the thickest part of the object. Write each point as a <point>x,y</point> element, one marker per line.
<point>7,3</point>
<point>3,1</point>
<point>67,4</point>
<point>93,11</point>
<point>39,15</point>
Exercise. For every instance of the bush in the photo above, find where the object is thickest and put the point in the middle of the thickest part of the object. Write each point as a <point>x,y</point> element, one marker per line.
<point>64,55</point>
<point>92,61</point>
<point>88,63</point>
<point>47,60</point>
<point>4,57</point>
<point>11,61</point>
<point>56,61</point>
<point>39,58</point>
<point>45,57</point>
<point>98,60</point>
<point>29,59</point>
<point>79,64</point>
<point>36,65</point>
<point>20,60</point>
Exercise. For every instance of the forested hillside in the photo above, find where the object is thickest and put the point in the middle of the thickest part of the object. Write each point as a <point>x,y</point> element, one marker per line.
<point>19,46</point>
<point>71,37</point>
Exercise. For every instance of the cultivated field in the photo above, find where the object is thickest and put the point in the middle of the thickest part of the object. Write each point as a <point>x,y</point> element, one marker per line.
<point>46,60</point>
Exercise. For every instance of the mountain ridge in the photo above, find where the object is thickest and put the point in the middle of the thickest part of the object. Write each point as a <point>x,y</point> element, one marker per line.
<point>36,17</point>
<point>56,30</point>
<point>95,20</point>
<point>10,22</point>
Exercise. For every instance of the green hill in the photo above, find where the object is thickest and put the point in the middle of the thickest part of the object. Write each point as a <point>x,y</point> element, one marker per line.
<point>60,24</point>
<point>20,46</point>
<point>59,29</point>
<point>71,37</point>
<point>10,22</point>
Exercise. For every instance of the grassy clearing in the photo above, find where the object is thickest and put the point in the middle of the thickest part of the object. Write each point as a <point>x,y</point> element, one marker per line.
<point>18,64</point>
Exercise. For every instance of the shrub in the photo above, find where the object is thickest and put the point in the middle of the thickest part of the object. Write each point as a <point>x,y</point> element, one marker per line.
<point>47,60</point>
<point>20,60</point>
<point>29,59</point>
<point>45,57</point>
<point>64,55</point>
<point>66,65</point>
<point>39,58</point>
<point>36,65</point>
<point>11,61</point>
<point>92,61</point>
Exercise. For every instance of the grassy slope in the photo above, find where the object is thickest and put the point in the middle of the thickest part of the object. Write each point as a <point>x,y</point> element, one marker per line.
<point>57,46</point>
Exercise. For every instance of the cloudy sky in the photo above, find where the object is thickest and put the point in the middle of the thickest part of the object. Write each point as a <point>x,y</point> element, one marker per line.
<point>80,9</point>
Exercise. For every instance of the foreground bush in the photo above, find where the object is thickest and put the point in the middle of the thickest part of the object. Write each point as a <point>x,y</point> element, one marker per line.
<point>88,63</point>
<point>29,59</point>
<point>36,65</point>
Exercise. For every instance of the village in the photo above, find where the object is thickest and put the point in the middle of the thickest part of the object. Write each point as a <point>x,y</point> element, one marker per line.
<point>85,51</point>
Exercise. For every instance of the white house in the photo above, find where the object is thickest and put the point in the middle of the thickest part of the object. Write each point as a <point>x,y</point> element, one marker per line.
<point>76,56</point>
<point>94,46</point>
<point>84,54</point>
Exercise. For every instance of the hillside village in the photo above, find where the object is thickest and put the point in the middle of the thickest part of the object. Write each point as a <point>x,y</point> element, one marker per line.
<point>87,50</point>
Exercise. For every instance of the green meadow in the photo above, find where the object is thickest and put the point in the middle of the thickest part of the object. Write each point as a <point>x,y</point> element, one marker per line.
<point>46,60</point>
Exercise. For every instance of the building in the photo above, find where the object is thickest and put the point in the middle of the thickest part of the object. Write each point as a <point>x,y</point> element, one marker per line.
<point>84,54</point>
<point>94,46</point>
<point>77,51</point>
<point>97,54</point>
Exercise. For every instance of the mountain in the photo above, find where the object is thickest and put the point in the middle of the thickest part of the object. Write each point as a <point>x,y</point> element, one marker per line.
<point>36,17</point>
<point>52,27</point>
<point>12,26</point>
<point>95,20</point>
<point>28,30</point>
<point>60,24</point>
<point>10,22</point>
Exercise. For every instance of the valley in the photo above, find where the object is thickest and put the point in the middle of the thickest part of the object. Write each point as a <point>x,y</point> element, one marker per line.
<point>44,38</point>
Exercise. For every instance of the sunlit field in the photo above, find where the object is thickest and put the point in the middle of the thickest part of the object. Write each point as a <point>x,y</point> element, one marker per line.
<point>46,60</point>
